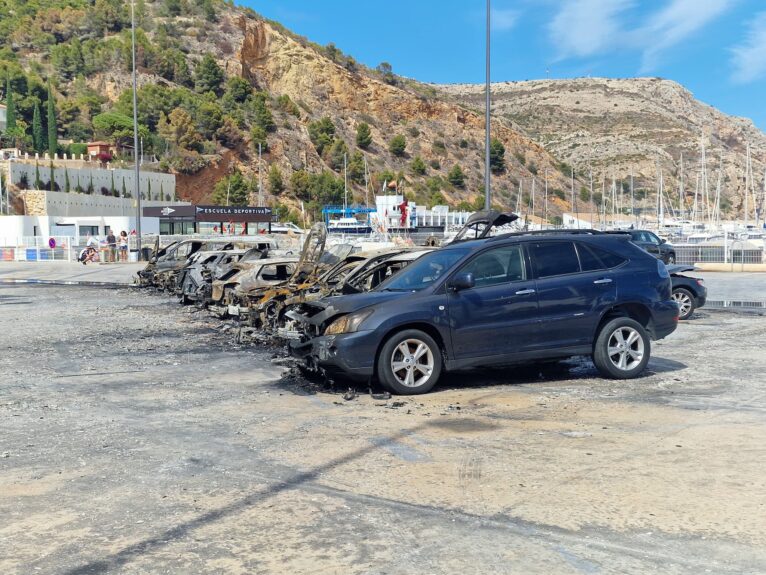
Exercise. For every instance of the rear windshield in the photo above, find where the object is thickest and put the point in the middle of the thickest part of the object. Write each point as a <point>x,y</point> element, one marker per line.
<point>424,271</point>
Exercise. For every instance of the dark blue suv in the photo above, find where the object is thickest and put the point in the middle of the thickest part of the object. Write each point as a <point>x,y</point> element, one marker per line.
<point>509,299</point>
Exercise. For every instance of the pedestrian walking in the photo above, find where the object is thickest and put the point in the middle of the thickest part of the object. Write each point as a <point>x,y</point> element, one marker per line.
<point>123,246</point>
<point>111,245</point>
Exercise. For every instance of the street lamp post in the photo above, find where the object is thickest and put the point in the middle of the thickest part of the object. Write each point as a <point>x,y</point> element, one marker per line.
<point>137,186</point>
<point>487,192</point>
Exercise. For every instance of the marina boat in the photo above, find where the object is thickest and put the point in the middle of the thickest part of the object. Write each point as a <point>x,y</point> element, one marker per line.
<point>348,226</point>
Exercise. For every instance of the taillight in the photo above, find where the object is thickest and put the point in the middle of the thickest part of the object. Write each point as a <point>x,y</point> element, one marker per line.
<point>700,282</point>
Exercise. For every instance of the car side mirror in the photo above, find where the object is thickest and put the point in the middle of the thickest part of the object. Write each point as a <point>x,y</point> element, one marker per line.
<point>462,281</point>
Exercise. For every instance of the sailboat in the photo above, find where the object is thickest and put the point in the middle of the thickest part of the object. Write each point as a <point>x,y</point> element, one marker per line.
<point>345,224</point>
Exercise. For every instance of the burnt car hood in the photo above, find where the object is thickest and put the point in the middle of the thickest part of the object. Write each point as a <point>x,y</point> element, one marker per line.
<point>340,305</point>
<point>480,224</point>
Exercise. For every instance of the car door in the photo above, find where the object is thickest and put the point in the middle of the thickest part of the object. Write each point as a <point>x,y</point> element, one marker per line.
<point>573,287</point>
<point>498,316</point>
<point>651,243</point>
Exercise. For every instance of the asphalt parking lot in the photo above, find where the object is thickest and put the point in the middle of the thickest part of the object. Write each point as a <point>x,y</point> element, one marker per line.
<point>136,438</point>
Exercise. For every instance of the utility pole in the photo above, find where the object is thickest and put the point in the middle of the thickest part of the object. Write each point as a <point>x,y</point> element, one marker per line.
<point>137,186</point>
<point>260,177</point>
<point>487,192</point>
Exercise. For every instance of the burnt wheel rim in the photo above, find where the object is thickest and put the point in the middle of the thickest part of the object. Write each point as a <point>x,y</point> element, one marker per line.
<point>412,363</point>
<point>625,348</point>
<point>684,302</point>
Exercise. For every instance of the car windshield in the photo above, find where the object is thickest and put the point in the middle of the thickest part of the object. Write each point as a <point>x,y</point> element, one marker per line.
<point>424,271</point>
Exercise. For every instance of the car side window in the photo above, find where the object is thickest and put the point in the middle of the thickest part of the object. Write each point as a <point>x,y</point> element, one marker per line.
<point>497,266</point>
<point>554,258</point>
<point>588,260</point>
<point>654,239</point>
<point>594,258</point>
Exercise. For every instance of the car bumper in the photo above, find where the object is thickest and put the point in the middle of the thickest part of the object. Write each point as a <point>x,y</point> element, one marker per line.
<point>701,297</point>
<point>349,354</point>
<point>664,319</point>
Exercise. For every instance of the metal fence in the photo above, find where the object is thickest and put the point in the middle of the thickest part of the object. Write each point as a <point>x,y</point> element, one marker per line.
<point>724,251</point>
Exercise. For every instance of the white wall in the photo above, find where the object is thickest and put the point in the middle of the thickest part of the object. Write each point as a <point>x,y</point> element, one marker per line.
<point>74,204</point>
<point>102,178</point>
<point>12,228</point>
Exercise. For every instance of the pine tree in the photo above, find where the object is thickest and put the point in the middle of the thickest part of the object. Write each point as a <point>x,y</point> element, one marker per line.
<point>52,131</point>
<point>418,166</point>
<point>276,183</point>
<point>37,129</point>
<point>363,136</point>
<point>10,107</point>
<point>456,177</point>
<point>397,145</point>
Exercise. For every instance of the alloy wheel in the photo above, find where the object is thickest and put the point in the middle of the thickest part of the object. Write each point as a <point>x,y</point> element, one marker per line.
<point>684,302</point>
<point>412,363</point>
<point>625,348</point>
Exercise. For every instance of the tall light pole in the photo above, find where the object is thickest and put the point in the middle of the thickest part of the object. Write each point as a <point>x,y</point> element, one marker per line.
<point>137,186</point>
<point>487,192</point>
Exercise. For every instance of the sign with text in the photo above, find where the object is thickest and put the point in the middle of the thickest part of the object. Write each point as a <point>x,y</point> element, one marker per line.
<point>233,214</point>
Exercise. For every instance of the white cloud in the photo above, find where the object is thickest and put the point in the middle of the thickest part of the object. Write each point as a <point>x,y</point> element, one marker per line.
<point>679,20</point>
<point>586,27</point>
<point>503,20</point>
<point>749,58</point>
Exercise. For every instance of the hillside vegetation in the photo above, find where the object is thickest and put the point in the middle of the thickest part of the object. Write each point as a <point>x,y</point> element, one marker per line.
<point>217,80</point>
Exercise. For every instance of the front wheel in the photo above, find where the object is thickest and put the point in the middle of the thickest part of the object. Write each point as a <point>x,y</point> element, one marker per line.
<point>622,349</point>
<point>685,301</point>
<point>409,363</point>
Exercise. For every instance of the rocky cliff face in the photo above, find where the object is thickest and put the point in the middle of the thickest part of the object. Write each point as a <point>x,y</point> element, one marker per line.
<point>438,131</point>
<point>618,125</point>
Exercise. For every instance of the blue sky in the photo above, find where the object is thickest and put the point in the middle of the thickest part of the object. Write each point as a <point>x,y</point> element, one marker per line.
<point>716,48</point>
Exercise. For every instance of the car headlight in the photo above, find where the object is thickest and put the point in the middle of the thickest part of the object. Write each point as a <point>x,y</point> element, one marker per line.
<point>348,323</point>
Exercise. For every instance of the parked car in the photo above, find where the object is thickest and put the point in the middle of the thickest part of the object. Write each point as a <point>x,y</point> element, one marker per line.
<point>689,293</point>
<point>509,299</point>
<point>652,243</point>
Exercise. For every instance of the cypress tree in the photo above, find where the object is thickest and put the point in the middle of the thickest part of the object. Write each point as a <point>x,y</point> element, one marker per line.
<point>91,189</point>
<point>53,179</point>
<point>10,107</point>
<point>113,190</point>
<point>149,190</point>
<point>66,181</point>
<point>38,183</point>
<point>124,189</point>
<point>52,132</point>
<point>37,129</point>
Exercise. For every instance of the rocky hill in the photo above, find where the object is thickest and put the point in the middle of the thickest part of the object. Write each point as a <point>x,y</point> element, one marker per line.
<point>216,80</point>
<point>616,125</point>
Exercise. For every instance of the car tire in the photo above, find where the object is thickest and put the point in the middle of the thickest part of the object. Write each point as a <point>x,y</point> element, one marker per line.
<point>685,300</point>
<point>400,371</point>
<point>671,259</point>
<point>622,349</point>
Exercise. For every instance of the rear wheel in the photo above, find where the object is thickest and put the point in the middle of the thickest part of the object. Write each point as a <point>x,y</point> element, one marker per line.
<point>671,258</point>
<point>622,349</point>
<point>685,300</point>
<point>409,363</point>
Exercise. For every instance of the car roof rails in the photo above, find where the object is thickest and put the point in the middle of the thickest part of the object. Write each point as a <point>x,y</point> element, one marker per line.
<point>562,232</point>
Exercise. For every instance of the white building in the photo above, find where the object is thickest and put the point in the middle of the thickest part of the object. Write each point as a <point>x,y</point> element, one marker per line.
<point>3,117</point>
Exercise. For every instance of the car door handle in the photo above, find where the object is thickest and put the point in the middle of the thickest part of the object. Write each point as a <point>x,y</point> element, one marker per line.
<point>525,292</point>
<point>603,281</point>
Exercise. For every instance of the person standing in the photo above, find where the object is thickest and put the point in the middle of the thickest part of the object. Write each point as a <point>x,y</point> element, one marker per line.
<point>123,246</point>
<point>111,244</point>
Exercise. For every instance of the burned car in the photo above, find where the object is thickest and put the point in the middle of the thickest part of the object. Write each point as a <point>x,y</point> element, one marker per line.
<point>482,224</point>
<point>162,269</point>
<point>195,280</point>
<point>360,272</point>
<point>229,289</point>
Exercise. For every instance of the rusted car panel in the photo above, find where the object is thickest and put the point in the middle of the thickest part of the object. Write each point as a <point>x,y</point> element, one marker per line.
<point>196,278</point>
<point>259,274</point>
<point>481,224</point>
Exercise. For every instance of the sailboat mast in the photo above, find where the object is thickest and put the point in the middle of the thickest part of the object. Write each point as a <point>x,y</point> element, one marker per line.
<point>366,184</point>
<point>590,170</point>
<point>632,198</point>
<point>747,184</point>
<point>545,198</point>
<point>345,184</point>
<point>681,189</point>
